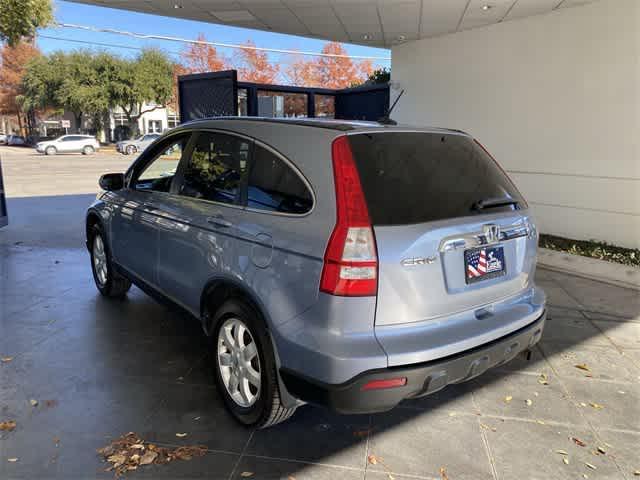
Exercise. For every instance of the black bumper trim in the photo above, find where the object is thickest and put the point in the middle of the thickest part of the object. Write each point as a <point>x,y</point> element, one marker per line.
<point>422,378</point>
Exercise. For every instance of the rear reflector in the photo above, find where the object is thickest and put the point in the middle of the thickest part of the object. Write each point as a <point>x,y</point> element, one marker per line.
<point>384,384</point>
<point>350,261</point>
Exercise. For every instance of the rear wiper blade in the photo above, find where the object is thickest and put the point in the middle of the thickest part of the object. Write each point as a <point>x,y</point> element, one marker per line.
<point>493,202</point>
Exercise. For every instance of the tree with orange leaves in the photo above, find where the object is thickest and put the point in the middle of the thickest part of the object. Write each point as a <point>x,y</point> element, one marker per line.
<point>201,57</point>
<point>13,61</point>
<point>254,65</point>
<point>327,71</point>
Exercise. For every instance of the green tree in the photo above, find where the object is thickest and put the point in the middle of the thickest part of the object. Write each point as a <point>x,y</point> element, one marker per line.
<point>381,75</point>
<point>76,82</point>
<point>142,85</point>
<point>21,18</point>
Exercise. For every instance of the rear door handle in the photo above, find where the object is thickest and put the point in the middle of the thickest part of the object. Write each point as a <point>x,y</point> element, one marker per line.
<point>219,221</point>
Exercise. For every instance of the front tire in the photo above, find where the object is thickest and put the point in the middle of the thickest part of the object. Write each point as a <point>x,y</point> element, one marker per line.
<point>109,282</point>
<point>131,150</point>
<point>244,366</point>
<point>50,151</point>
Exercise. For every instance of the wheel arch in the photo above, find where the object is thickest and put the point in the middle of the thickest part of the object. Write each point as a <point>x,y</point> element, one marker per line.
<point>92,219</point>
<point>219,289</point>
<point>215,293</point>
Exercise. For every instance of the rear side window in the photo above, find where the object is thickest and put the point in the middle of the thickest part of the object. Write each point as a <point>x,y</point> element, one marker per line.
<point>412,178</point>
<point>274,186</point>
<point>216,167</point>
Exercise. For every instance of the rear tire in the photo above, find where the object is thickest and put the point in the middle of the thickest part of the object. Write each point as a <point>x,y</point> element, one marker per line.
<point>88,150</point>
<point>108,281</point>
<point>265,409</point>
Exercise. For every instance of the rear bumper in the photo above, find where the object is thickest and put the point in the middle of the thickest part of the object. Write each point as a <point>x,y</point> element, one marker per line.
<point>422,379</point>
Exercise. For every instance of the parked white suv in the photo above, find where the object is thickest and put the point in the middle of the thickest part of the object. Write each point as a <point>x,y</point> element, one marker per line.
<point>86,144</point>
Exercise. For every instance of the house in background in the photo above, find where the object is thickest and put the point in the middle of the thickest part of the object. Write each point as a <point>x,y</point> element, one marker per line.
<point>115,125</point>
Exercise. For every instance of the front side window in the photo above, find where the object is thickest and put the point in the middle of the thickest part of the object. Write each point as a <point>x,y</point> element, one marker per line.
<point>275,187</point>
<point>216,168</point>
<point>158,175</point>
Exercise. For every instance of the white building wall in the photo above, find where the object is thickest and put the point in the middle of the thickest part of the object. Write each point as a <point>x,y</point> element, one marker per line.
<point>555,98</point>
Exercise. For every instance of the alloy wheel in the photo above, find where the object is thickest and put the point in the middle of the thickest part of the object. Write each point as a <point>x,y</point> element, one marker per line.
<point>239,362</point>
<point>100,260</point>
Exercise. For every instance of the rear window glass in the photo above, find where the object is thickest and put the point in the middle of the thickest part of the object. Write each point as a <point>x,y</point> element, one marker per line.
<point>412,178</point>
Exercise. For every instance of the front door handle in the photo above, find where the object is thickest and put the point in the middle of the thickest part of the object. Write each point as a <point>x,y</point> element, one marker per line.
<point>219,221</point>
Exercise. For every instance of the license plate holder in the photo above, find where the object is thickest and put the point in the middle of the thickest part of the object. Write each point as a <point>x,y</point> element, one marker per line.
<point>484,263</point>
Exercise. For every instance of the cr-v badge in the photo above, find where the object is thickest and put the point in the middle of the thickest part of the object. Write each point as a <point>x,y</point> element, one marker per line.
<point>411,262</point>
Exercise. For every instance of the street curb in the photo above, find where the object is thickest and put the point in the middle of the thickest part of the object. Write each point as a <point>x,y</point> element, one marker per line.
<point>590,268</point>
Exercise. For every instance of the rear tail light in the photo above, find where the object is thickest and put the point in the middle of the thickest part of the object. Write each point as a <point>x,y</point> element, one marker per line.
<point>384,384</point>
<point>350,262</point>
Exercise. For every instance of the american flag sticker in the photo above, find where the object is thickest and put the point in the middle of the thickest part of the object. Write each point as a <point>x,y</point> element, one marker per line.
<point>484,263</point>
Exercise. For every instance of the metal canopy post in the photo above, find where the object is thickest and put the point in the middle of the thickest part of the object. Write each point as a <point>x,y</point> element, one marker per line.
<point>4,215</point>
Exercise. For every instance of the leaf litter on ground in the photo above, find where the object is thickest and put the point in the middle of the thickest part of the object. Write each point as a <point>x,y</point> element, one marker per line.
<point>130,451</point>
<point>578,442</point>
<point>582,366</point>
<point>7,426</point>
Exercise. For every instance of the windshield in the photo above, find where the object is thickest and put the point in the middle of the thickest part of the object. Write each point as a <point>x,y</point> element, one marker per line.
<point>414,177</point>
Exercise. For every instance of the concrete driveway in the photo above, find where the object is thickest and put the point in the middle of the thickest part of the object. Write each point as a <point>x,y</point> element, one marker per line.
<point>100,369</point>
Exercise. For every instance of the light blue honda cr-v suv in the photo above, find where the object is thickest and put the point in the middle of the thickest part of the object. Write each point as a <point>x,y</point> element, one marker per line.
<point>346,264</point>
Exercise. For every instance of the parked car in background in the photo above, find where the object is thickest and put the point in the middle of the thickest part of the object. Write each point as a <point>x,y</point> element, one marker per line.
<point>3,139</point>
<point>130,147</point>
<point>346,264</point>
<point>85,144</point>
<point>16,141</point>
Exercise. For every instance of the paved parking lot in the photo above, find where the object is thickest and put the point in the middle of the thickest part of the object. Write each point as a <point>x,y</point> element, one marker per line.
<point>100,369</point>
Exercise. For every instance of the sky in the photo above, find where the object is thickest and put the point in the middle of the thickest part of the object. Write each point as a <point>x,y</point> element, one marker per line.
<point>68,12</point>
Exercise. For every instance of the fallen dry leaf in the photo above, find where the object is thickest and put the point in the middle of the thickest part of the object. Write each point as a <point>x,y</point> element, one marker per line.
<point>129,452</point>
<point>246,474</point>
<point>636,473</point>
<point>12,460</point>
<point>528,402</point>
<point>565,460</point>
<point>33,402</point>
<point>602,450</point>
<point>582,366</point>
<point>579,442</point>
<point>372,459</point>
<point>597,406</point>
<point>508,398</point>
<point>443,473</point>
<point>181,435</point>
<point>8,426</point>
<point>117,460</point>
<point>6,359</point>
<point>592,467</point>
<point>487,427</point>
<point>562,452</point>
<point>540,422</point>
<point>148,457</point>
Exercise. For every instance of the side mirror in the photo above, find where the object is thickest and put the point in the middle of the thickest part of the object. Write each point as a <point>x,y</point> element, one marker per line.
<point>111,181</point>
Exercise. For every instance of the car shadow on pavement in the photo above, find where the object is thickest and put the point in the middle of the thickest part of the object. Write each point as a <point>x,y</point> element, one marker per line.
<point>101,368</point>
